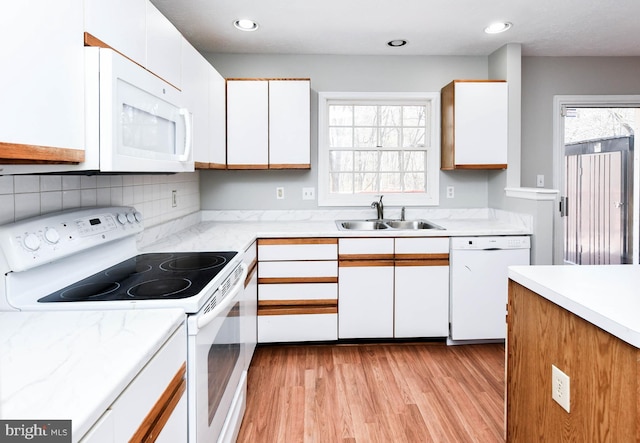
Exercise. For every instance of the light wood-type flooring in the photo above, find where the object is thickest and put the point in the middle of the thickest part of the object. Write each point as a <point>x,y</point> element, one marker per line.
<point>399,392</point>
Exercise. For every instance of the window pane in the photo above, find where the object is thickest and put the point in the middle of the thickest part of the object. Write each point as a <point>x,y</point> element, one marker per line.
<point>365,115</point>
<point>365,183</point>
<point>390,115</point>
<point>390,137</point>
<point>340,115</point>
<point>366,161</point>
<point>413,115</point>
<point>414,182</point>
<point>390,182</point>
<point>366,138</point>
<point>414,160</point>
<point>390,161</point>
<point>341,183</point>
<point>340,161</point>
<point>413,137</point>
<point>340,137</point>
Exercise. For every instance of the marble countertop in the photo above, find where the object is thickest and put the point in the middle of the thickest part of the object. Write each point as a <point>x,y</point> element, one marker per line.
<point>236,231</point>
<point>606,296</point>
<point>74,364</point>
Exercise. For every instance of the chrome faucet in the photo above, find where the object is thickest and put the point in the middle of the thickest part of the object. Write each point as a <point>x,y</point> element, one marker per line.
<point>379,208</point>
<point>402,213</point>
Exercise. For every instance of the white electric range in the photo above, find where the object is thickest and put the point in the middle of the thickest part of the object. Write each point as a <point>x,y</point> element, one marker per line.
<point>87,259</point>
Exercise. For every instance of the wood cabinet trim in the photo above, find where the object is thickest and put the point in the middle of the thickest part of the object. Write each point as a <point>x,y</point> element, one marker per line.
<point>290,166</point>
<point>297,241</point>
<point>220,166</point>
<point>16,153</point>
<point>290,280</point>
<point>360,257</point>
<point>365,263</point>
<point>239,166</point>
<point>252,270</point>
<point>155,420</point>
<point>427,256</point>
<point>297,307</point>
<point>425,262</point>
<point>237,79</point>
<point>487,166</point>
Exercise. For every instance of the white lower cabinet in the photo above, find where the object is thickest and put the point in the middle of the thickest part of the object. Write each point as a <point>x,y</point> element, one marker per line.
<point>297,290</point>
<point>393,287</point>
<point>421,287</point>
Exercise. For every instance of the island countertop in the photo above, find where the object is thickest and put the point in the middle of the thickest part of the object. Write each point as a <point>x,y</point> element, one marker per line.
<point>606,296</point>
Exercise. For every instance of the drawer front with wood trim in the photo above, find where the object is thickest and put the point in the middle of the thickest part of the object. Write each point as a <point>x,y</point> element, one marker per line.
<point>297,289</point>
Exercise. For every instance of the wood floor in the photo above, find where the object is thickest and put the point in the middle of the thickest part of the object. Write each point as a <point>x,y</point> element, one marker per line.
<point>405,392</point>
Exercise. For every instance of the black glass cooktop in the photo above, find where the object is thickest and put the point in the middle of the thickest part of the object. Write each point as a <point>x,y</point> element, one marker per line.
<point>147,277</point>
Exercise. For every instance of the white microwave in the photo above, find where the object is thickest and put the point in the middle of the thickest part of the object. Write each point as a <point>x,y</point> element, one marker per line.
<point>134,119</point>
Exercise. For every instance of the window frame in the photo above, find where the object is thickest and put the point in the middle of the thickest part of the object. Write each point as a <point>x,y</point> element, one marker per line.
<point>431,198</point>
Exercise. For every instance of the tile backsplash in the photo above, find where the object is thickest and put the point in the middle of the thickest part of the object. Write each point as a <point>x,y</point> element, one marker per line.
<point>24,196</point>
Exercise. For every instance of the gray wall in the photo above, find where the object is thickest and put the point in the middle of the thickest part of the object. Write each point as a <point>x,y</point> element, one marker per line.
<point>256,189</point>
<point>544,77</point>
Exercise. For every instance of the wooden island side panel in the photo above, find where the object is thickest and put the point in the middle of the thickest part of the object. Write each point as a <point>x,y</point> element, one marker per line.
<point>603,371</point>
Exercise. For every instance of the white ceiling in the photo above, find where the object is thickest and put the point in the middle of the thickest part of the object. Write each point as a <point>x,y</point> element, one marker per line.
<point>432,27</point>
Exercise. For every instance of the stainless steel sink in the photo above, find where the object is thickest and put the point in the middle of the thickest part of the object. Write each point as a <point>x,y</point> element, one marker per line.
<point>374,225</point>
<point>361,225</point>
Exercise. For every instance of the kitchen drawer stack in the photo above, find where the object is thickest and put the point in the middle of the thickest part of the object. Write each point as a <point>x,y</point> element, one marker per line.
<point>297,289</point>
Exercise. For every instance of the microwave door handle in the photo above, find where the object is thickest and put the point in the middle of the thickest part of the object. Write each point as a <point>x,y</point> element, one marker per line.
<point>207,318</point>
<point>187,134</point>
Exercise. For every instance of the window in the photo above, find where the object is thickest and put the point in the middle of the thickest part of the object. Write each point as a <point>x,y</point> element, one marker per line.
<point>372,144</point>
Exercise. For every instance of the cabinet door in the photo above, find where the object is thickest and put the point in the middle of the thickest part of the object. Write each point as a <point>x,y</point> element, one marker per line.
<point>421,300</point>
<point>42,81</point>
<point>365,300</point>
<point>481,123</point>
<point>217,120</point>
<point>119,24</point>
<point>164,46</point>
<point>247,124</point>
<point>196,98</point>
<point>289,120</point>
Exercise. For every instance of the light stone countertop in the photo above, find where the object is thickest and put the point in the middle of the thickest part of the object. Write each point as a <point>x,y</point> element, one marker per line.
<point>72,365</point>
<point>218,231</point>
<point>606,296</point>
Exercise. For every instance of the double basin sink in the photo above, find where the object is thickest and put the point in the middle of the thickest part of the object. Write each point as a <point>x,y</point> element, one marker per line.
<point>380,224</point>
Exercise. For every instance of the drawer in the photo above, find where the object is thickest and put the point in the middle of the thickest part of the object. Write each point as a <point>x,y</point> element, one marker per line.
<point>298,291</point>
<point>283,249</point>
<point>374,248</point>
<point>294,328</point>
<point>297,269</point>
<point>422,245</point>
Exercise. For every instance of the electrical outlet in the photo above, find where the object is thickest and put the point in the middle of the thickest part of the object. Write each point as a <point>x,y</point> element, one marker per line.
<point>308,193</point>
<point>560,388</point>
<point>540,181</point>
<point>174,198</point>
<point>450,192</point>
<point>280,193</point>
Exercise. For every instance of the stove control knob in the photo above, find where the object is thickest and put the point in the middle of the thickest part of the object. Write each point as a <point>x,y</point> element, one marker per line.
<point>31,242</point>
<point>131,218</point>
<point>138,216</point>
<point>51,235</point>
<point>122,218</point>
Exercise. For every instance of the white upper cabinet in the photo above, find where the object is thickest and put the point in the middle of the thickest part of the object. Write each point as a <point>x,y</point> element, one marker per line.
<point>247,124</point>
<point>119,24</point>
<point>164,46</point>
<point>139,31</point>
<point>474,125</point>
<point>204,93</point>
<point>268,124</point>
<point>42,82</point>
<point>289,121</point>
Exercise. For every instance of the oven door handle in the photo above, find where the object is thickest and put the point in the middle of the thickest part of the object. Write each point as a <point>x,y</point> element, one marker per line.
<point>207,318</point>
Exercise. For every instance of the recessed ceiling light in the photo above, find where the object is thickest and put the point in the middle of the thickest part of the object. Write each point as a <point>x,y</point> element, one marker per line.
<point>397,43</point>
<point>245,24</point>
<point>497,27</point>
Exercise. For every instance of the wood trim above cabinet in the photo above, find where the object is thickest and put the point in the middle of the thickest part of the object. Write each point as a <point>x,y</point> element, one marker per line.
<point>155,420</point>
<point>15,153</point>
<point>297,241</point>
<point>289,280</point>
<point>297,307</point>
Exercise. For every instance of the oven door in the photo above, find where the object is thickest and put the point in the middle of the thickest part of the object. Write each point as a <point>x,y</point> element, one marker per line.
<point>216,363</point>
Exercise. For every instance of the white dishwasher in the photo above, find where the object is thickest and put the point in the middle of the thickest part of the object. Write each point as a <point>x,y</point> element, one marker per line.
<point>479,285</point>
